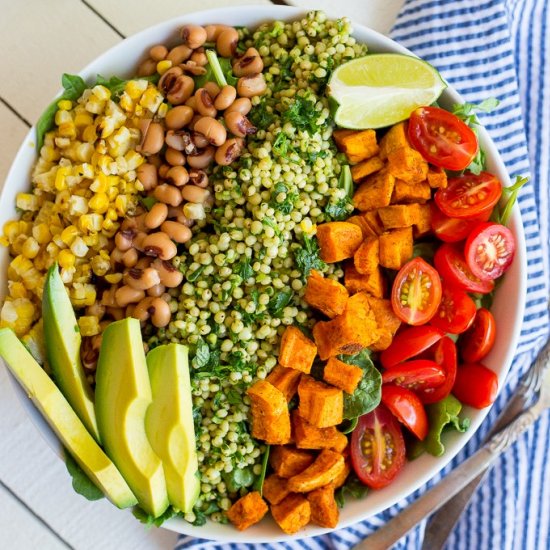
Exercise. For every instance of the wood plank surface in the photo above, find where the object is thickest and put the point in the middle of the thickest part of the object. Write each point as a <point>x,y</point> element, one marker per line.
<point>11,136</point>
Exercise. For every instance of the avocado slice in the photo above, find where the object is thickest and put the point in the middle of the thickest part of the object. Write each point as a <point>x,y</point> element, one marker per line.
<point>61,417</point>
<point>169,423</point>
<point>62,339</point>
<point>123,394</point>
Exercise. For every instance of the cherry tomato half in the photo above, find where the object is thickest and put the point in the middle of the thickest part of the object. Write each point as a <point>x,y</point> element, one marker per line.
<point>408,343</point>
<point>444,354</point>
<point>377,448</point>
<point>407,408</point>
<point>442,138</point>
<point>475,385</point>
<point>452,230</point>
<point>415,374</point>
<point>450,263</point>
<point>416,292</point>
<point>478,340</point>
<point>489,250</point>
<point>456,311</point>
<point>469,196</point>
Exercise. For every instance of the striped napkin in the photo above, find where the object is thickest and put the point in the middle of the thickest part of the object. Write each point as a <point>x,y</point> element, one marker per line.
<point>488,48</point>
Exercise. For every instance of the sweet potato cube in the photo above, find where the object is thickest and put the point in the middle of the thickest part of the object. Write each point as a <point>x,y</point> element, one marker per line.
<point>270,416</point>
<point>437,178</point>
<point>247,511</point>
<point>292,513</point>
<point>285,380</point>
<point>374,283</point>
<point>384,340</point>
<point>324,510</point>
<point>365,168</point>
<point>307,436</point>
<point>324,469</point>
<point>396,248</point>
<point>338,240</point>
<point>405,192</point>
<point>338,135</point>
<point>326,295</point>
<point>423,223</point>
<point>340,479</point>
<point>343,376</point>
<point>297,350</point>
<point>395,138</point>
<point>358,146</point>
<point>407,164</point>
<point>375,191</point>
<point>275,489</point>
<point>397,216</point>
<point>366,259</point>
<point>288,461</point>
<point>320,404</point>
<point>374,222</point>
<point>387,322</point>
<point>347,333</point>
<point>362,223</point>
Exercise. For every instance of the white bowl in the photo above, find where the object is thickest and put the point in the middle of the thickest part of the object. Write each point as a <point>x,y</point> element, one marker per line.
<point>508,305</point>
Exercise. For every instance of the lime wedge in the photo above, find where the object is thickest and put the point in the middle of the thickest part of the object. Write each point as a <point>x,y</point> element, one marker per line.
<point>379,90</point>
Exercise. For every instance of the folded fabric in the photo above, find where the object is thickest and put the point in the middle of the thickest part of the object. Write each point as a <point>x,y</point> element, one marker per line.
<point>485,49</point>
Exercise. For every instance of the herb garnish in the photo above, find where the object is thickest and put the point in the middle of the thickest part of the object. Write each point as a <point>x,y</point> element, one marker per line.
<point>307,257</point>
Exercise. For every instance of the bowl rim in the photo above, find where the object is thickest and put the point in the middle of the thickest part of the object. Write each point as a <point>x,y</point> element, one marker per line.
<point>456,442</point>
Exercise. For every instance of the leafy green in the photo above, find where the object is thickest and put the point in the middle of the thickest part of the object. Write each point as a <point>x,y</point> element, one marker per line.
<point>425,250</point>
<point>307,257</point>
<point>262,114</point>
<point>82,484</point>
<point>502,215</point>
<point>483,300</point>
<point>443,415</point>
<point>282,146</point>
<point>243,269</point>
<point>74,87</point>
<point>278,303</point>
<point>202,355</point>
<point>287,205</point>
<point>148,202</point>
<point>468,113</point>
<point>218,69</point>
<point>348,425</point>
<point>352,488</point>
<point>259,483</point>
<point>366,396</point>
<point>339,210</point>
<point>238,478</point>
<point>151,521</point>
<point>116,85</point>
<point>302,115</point>
<point>345,181</point>
<point>193,276</point>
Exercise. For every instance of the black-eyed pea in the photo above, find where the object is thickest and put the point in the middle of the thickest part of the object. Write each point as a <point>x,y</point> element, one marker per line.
<point>168,194</point>
<point>130,258</point>
<point>156,291</point>
<point>177,214</point>
<point>174,157</point>
<point>201,159</point>
<point>138,241</point>
<point>155,160</point>
<point>152,137</point>
<point>199,140</point>
<point>141,309</point>
<point>204,103</point>
<point>213,89</point>
<point>198,178</point>
<point>177,175</point>
<point>127,295</point>
<point>176,231</point>
<point>168,79</point>
<point>144,262</point>
<point>179,54</point>
<point>141,279</point>
<point>108,297</point>
<point>239,125</point>
<point>178,140</point>
<point>160,312</point>
<point>230,151</point>
<point>148,67</point>
<point>193,36</point>
<point>170,276</point>
<point>97,309</point>
<point>190,67</point>
<point>178,117</point>
<point>156,216</point>
<point>192,102</point>
<point>181,90</point>
<point>211,129</point>
<point>147,174</point>
<point>159,245</point>
<point>129,311</point>
<point>199,57</point>
<point>116,313</point>
<point>124,238</point>
<point>193,193</point>
<point>227,41</point>
<point>116,257</point>
<point>158,52</point>
<point>213,31</point>
<point>163,170</point>
<point>251,85</point>
<point>249,63</point>
<point>242,105</point>
<point>225,97</point>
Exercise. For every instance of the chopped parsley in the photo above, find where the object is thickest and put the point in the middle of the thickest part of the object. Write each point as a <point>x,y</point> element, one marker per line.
<point>302,114</point>
<point>307,257</point>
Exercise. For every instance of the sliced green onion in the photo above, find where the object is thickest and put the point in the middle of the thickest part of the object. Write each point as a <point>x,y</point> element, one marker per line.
<point>216,68</point>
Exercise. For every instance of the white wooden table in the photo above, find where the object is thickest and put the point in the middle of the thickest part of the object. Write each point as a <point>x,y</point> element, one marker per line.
<point>39,40</point>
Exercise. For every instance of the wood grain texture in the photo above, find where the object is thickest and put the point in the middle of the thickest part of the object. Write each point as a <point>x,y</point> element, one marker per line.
<point>11,136</point>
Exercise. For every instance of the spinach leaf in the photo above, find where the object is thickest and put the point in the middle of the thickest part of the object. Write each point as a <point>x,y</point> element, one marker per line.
<point>353,488</point>
<point>443,415</point>
<point>82,484</point>
<point>259,483</point>
<point>307,257</point>
<point>366,396</point>
<point>238,478</point>
<point>74,87</point>
<point>278,303</point>
<point>348,425</point>
<point>483,300</point>
<point>148,520</point>
<point>425,250</point>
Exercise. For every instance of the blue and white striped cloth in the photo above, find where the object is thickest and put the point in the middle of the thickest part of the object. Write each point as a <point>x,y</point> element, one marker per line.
<point>489,48</point>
